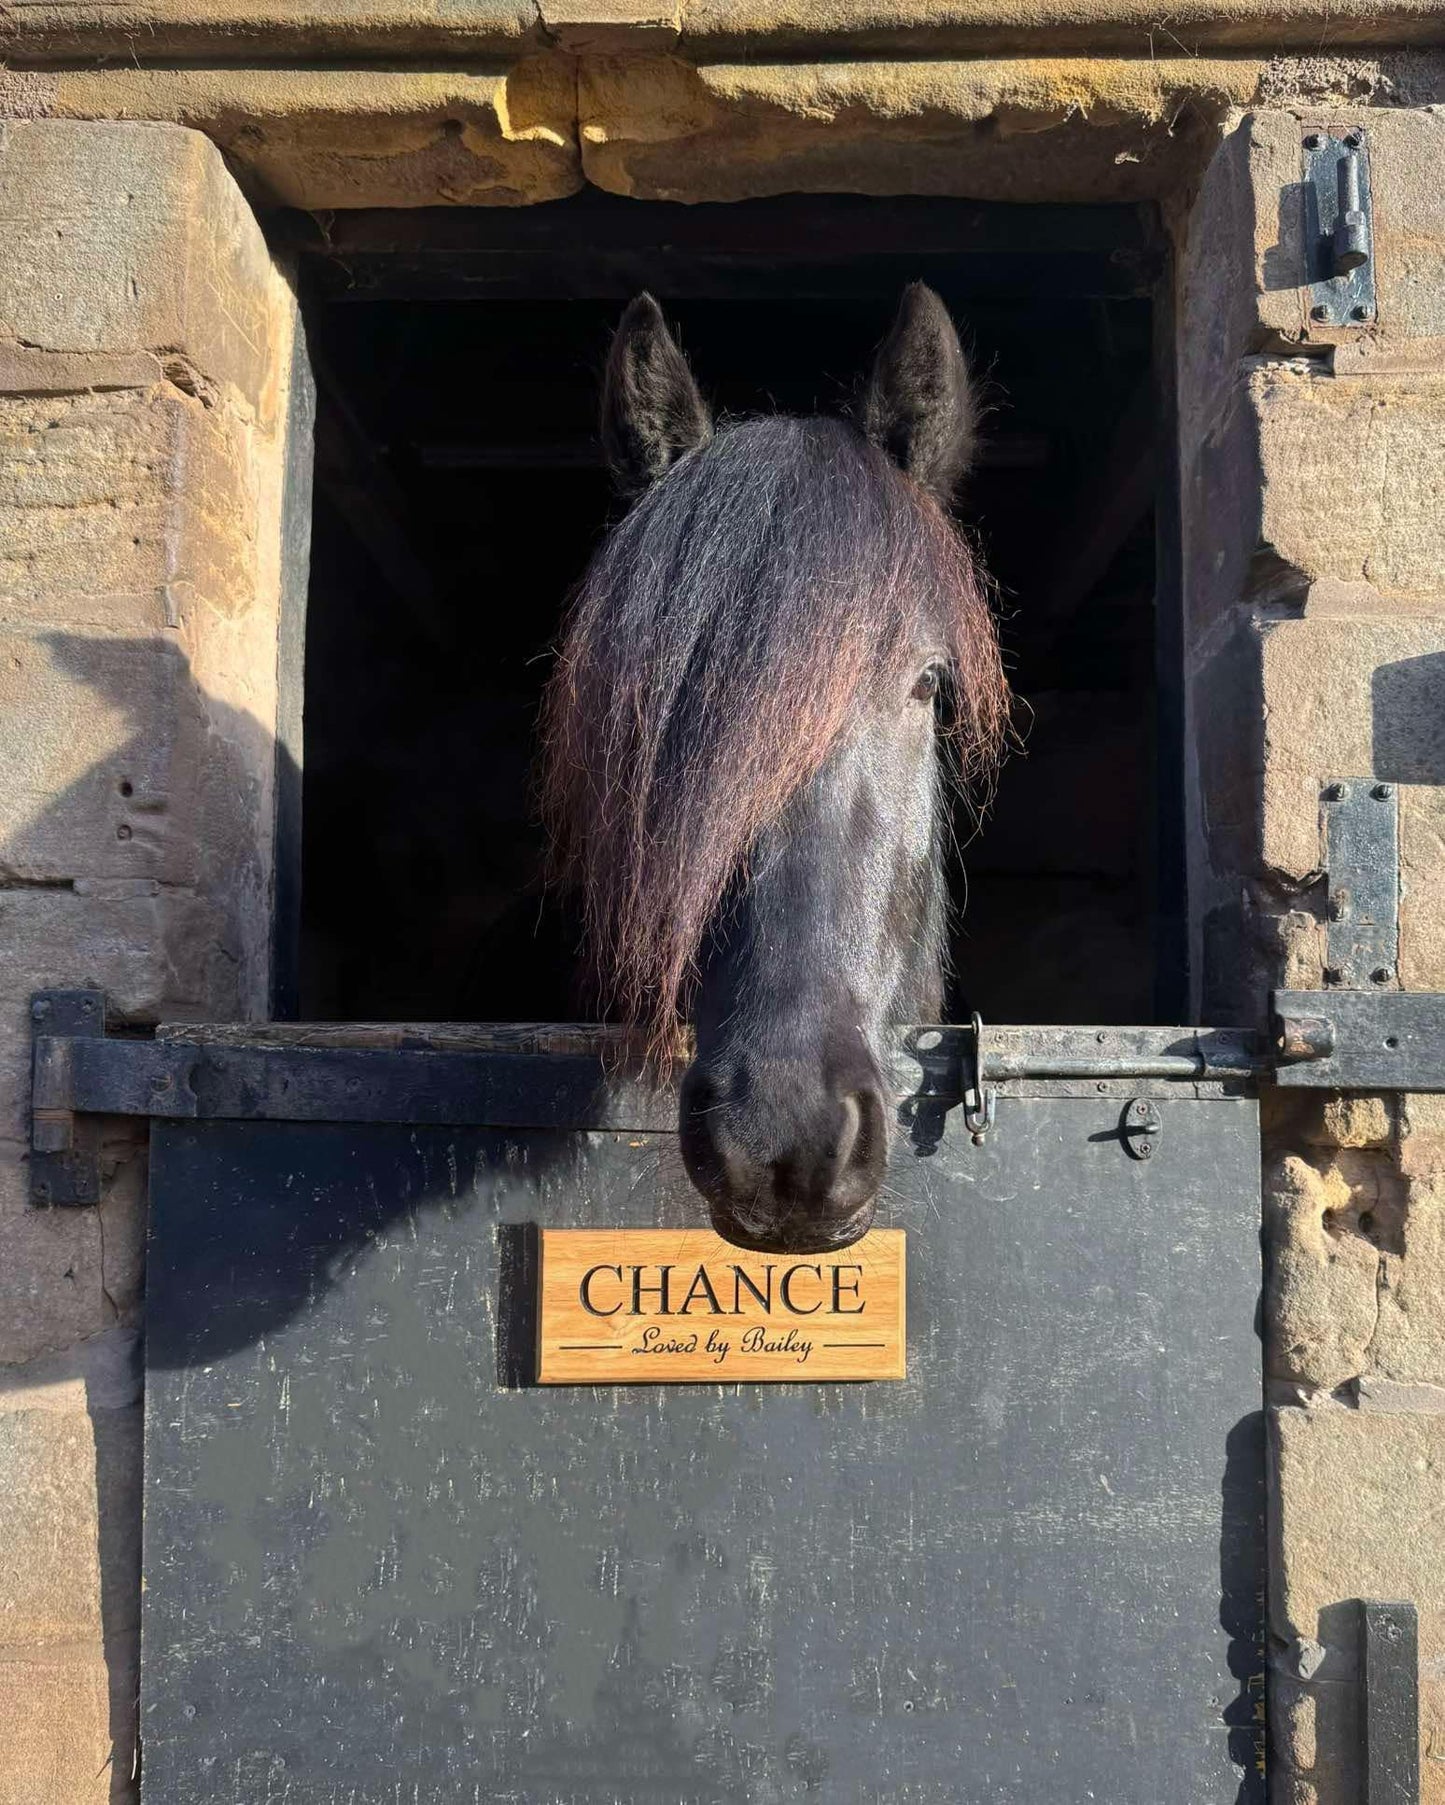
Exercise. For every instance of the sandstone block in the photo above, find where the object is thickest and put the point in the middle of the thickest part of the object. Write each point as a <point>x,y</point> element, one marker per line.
<point>1358,1515</point>
<point>1344,698</point>
<point>123,771</point>
<point>103,739</point>
<point>55,1743</point>
<point>589,25</point>
<point>1354,1122</point>
<point>87,495</point>
<point>50,1565</point>
<point>157,953</point>
<point>1227,721</point>
<point>1283,706</point>
<point>56,29</point>
<point>1406,151</point>
<point>661,129</point>
<point>1244,271</point>
<point>57,1266</point>
<point>218,29</point>
<point>1237,244</point>
<point>1314,1741</point>
<point>1378,438</point>
<point>1322,1303</point>
<point>132,237</point>
<point>361,137</point>
<point>70,1452</point>
<point>1374,1393</point>
<point>1422,1134</point>
<point>1408,1347</point>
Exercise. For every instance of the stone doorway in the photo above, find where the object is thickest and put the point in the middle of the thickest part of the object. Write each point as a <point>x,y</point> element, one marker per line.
<point>460,490</point>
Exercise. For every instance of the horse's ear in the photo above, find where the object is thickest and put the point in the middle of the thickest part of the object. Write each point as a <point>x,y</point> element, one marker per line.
<point>919,406</point>
<point>652,413</point>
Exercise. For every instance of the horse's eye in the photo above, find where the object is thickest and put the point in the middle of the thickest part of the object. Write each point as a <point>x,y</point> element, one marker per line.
<point>925,686</point>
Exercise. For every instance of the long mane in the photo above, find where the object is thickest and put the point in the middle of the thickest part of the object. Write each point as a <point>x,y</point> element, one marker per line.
<point>727,633</point>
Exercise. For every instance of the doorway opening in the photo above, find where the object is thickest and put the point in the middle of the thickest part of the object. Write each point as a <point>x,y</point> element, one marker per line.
<point>460,491</point>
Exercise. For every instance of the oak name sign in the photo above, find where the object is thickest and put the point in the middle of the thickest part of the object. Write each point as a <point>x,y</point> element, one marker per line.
<point>643,1306</point>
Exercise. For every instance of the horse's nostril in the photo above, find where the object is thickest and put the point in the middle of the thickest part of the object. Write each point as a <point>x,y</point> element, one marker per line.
<point>868,1144</point>
<point>849,1131</point>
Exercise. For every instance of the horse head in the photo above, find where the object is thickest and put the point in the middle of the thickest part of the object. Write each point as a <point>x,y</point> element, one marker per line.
<point>747,741</point>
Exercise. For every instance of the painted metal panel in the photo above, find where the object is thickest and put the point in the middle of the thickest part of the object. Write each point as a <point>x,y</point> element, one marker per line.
<point>381,1566</point>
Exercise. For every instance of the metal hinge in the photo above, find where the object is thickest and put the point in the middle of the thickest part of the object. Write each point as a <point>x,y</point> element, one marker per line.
<point>64,1148</point>
<point>1339,227</point>
<point>1360,834</point>
<point>1327,1039</point>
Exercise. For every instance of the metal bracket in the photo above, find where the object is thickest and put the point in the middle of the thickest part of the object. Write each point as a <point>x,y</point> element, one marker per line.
<point>1339,227</point>
<point>1331,1039</point>
<point>64,1149</point>
<point>1140,1128</point>
<point>1360,830</point>
<point>1390,1702</point>
<point>80,1074</point>
<point>1356,1040</point>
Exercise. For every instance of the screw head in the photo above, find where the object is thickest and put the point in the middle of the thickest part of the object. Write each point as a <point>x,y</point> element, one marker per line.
<point>1332,974</point>
<point>1354,139</point>
<point>1381,974</point>
<point>39,1010</point>
<point>1333,792</point>
<point>1362,312</point>
<point>1319,311</point>
<point>1314,140</point>
<point>1382,792</point>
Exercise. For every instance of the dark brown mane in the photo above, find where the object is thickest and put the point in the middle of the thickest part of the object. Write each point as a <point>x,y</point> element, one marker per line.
<point>726,635</point>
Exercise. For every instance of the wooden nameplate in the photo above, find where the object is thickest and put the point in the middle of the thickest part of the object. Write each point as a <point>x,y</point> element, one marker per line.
<point>683,1306</point>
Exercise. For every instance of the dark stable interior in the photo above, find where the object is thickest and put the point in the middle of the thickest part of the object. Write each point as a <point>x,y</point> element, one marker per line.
<point>459,492</point>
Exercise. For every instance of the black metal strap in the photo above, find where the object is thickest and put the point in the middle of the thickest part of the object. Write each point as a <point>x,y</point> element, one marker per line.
<point>1390,1702</point>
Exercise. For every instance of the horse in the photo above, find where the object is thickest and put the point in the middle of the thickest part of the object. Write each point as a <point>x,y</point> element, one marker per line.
<point>774,665</point>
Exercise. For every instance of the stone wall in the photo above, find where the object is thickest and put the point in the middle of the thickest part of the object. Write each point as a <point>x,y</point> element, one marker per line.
<point>1314,476</point>
<point>145,340</point>
<point>144,346</point>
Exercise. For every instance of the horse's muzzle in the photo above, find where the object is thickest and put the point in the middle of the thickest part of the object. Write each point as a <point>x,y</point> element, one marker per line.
<point>789,1159</point>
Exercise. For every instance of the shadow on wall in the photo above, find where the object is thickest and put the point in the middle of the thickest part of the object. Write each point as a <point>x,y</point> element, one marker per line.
<point>164,931</point>
<point>171,813</point>
<point>1408,720</point>
<point>1241,1587</point>
<point>1298,217</point>
<point>171,924</point>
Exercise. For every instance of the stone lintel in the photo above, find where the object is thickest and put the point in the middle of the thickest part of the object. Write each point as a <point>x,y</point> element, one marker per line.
<point>234,30</point>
